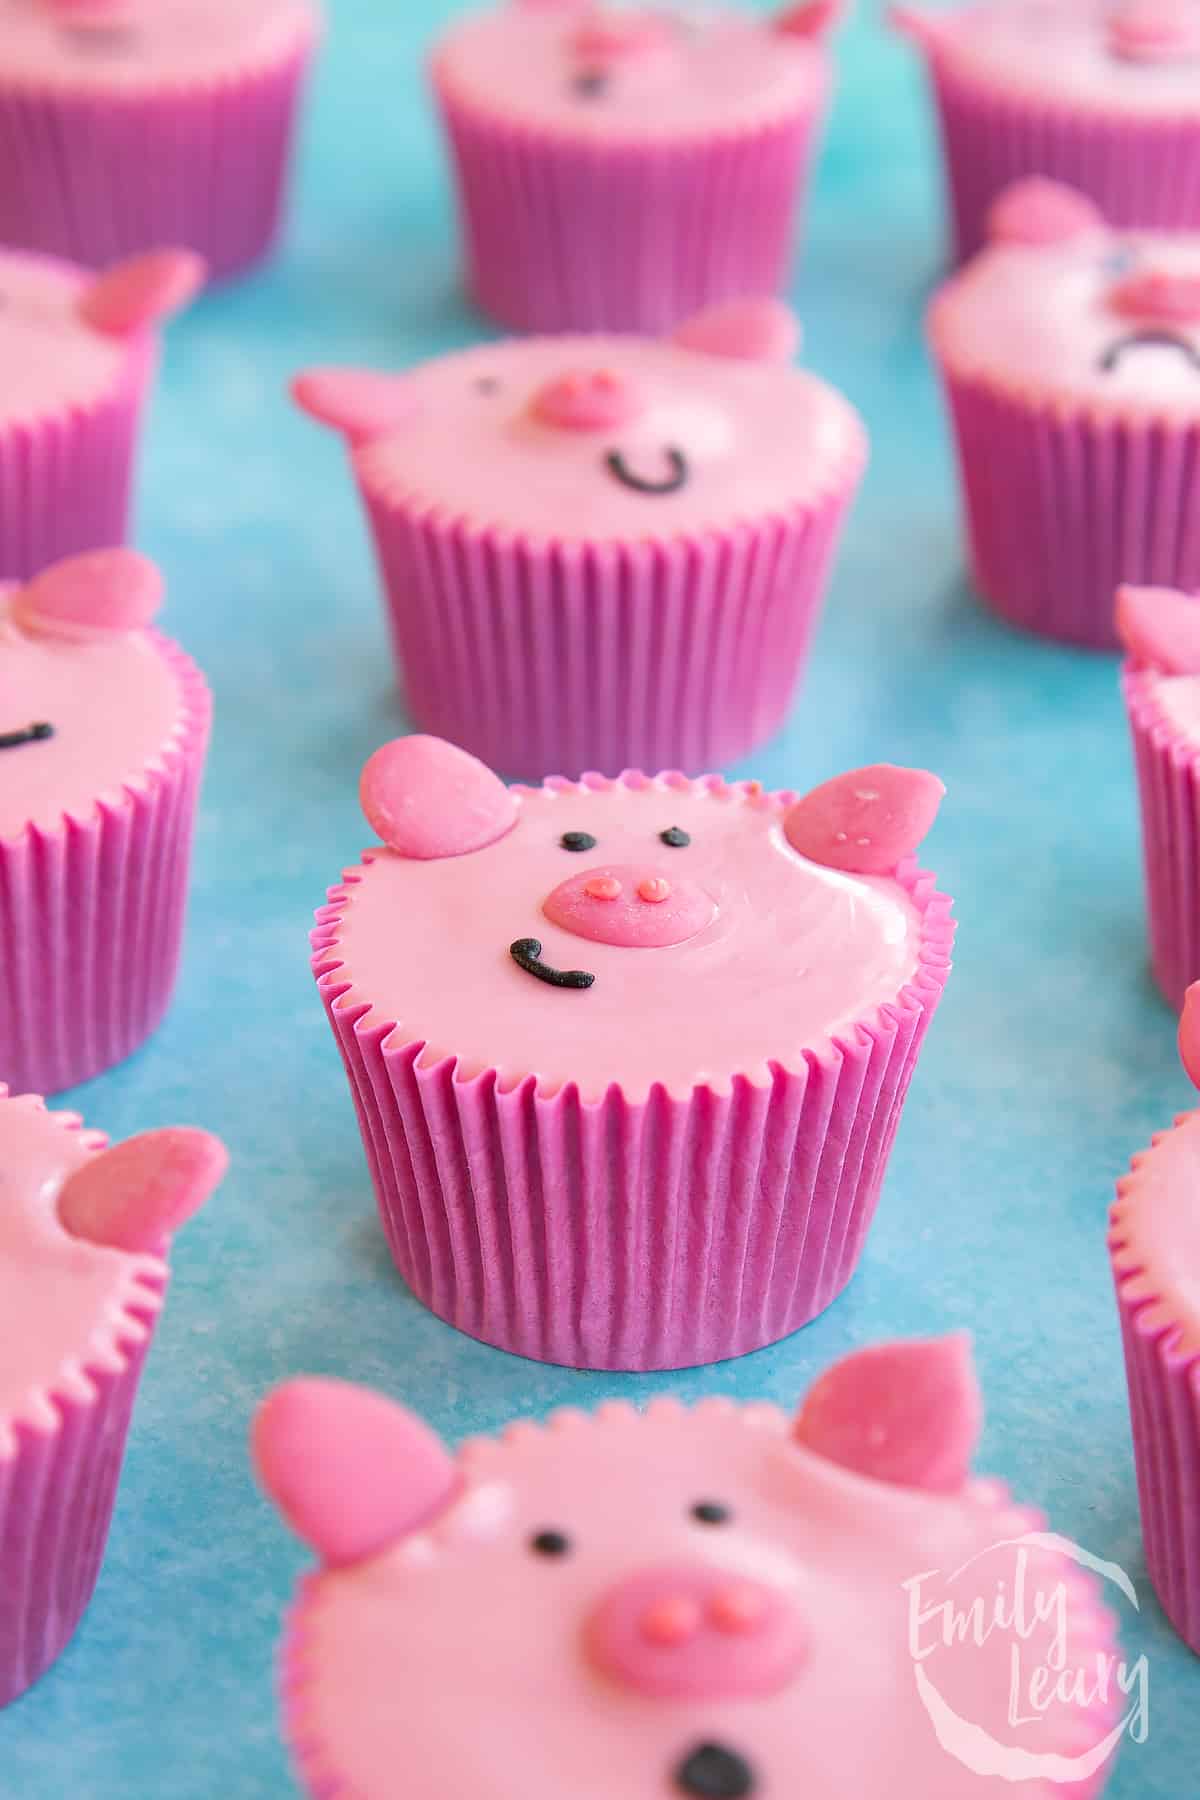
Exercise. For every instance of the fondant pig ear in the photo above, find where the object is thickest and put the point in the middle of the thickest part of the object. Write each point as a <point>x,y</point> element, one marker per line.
<point>134,1195</point>
<point>427,799</point>
<point>924,28</point>
<point>811,19</point>
<point>351,1472</point>
<point>134,295</point>
<point>906,1413</point>
<point>1040,211</point>
<point>1161,628</point>
<point>1189,1033</point>
<point>867,821</point>
<point>749,330</point>
<point>98,592</point>
<point>360,403</point>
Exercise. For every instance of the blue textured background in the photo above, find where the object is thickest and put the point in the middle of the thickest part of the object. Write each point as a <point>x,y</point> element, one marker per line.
<point>1050,1062</point>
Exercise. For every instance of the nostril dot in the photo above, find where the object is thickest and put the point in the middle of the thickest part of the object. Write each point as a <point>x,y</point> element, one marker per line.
<point>671,1622</point>
<point>655,889</point>
<point>737,1610</point>
<point>603,887</point>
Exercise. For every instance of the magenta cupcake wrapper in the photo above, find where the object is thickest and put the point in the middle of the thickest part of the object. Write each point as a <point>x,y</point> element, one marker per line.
<point>1063,506</point>
<point>634,1234</point>
<point>66,479</point>
<point>95,177</point>
<point>91,917</point>
<point>1139,172</point>
<point>1170,807</point>
<point>533,655</point>
<point>1164,1409</point>
<point>564,233</point>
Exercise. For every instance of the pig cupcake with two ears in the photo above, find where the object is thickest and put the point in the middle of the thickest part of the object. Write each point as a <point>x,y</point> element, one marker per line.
<point>601,551</point>
<point>103,732</point>
<point>710,1602</point>
<point>1070,354</point>
<point>84,1233</point>
<point>621,167</point>
<point>629,1055</point>
<point>78,355</point>
<point>1100,94</point>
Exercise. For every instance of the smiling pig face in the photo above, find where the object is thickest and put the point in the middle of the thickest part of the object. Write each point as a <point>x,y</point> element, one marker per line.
<point>708,1603</point>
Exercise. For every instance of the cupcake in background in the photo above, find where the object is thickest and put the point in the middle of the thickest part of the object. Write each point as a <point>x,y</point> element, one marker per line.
<point>103,731</point>
<point>603,551</point>
<point>629,1055</point>
<point>130,123</point>
<point>1099,94</point>
<point>1070,356</point>
<point>84,1234</point>
<point>78,356</point>
<point>621,167</point>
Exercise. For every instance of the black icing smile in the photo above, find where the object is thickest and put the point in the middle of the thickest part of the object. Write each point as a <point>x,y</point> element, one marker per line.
<point>677,476</point>
<point>527,954</point>
<point>1152,338</point>
<point>714,1772</point>
<point>28,734</point>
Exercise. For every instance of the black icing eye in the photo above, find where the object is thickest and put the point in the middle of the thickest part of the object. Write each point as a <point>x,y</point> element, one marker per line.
<point>550,1543</point>
<point>577,840</point>
<point>591,84</point>
<point>487,384</point>
<point>1119,260</point>
<point>26,734</point>
<point>711,1512</point>
<point>674,838</point>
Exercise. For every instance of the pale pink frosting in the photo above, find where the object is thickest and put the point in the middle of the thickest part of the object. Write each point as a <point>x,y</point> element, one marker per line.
<point>166,42</point>
<point>50,359</point>
<point>1156,1234</point>
<point>758,438</point>
<point>117,708</point>
<point>1038,321</point>
<point>461,1663</point>
<point>795,952</point>
<point>717,72</point>
<point>1064,53</point>
<point>68,1306</point>
<point>1177,698</point>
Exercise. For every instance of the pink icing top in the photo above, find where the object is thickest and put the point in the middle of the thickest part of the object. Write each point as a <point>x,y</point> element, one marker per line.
<point>499,435</point>
<point>1177,698</point>
<point>614,75</point>
<point>1102,319</point>
<point>115,702</point>
<point>163,42</point>
<point>755,954</point>
<point>1156,1233</point>
<point>1138,57</point>
<point>49,357</point>
<point>67,1305</point>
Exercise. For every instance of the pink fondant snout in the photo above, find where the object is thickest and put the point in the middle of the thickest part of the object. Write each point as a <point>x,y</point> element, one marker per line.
<point>1153,31</point>
<point>622,904</point>
<point>684,1632</point>
<point>588,400</point>
<point>1158,297</point>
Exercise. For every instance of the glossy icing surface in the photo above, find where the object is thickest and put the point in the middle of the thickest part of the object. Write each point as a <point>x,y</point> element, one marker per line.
<point>794,952</point>
<point>1068,320</point>
<point>67,1305</point>
<point>1178,699</point>
<point>48,357</point>
<point>1157,1224</point>
<point>115,705</point>
<point>164,41</point>
<point>475,439</point>
<point>696,71</point>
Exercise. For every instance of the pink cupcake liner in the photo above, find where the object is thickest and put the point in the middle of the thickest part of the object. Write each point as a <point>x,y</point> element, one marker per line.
<point>97,177</point>
<point>91,916</point>
<point>634,1234</point>
<point>567,234</point>
<point>1139,172</point>
<point>1170,807</point>
<point>1164,1408</point>
<point>534,656</point>
<point>1063,506</point>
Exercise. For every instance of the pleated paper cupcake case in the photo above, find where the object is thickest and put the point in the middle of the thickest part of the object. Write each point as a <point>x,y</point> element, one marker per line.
<point>91,916</point>
<point>632,1233</point>
<point>1170,813</point>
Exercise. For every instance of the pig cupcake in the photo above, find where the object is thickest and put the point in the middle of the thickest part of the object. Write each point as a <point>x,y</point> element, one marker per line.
<point>684,1601</point>
<point>602,551</point>
<point>620,167</point>
<point>1070,355</point>
<point>130,123</point>
<point>1101,94</point>
<point>77,358</point>
<point>84,1233</point>
<point>629,1055</point>
<point>103,731</point>
<point>1156,1267</point>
